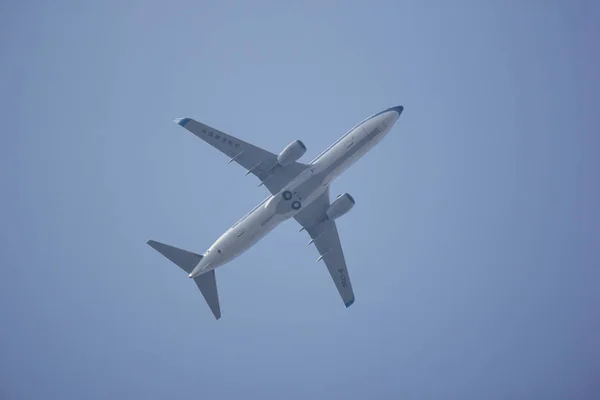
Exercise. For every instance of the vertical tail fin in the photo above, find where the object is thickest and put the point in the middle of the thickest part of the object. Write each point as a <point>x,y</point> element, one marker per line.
<point>186,260</point>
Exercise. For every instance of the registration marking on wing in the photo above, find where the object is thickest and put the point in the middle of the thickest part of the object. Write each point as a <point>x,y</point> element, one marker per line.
<point>343,279</point>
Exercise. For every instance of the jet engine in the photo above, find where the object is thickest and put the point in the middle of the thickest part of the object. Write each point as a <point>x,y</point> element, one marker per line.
<point>291,153</point>
<point>340,206</point>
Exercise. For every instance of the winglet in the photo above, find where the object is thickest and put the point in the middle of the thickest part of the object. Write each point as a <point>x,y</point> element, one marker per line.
<point>182,121</point>
<point>350,302</point>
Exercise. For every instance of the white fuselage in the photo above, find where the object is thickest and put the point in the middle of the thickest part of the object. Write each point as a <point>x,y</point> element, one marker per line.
<point>305,188</point>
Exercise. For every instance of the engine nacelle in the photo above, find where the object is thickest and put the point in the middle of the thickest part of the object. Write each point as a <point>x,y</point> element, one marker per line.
<point>340,206</point>
<point>291,153</point>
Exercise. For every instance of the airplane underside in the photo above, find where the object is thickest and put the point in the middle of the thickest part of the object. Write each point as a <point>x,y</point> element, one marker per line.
<point>299,191</point>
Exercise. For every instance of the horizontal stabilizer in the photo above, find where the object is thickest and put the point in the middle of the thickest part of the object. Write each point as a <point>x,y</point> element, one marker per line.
<point>186,260</point>
<point>207,284</point>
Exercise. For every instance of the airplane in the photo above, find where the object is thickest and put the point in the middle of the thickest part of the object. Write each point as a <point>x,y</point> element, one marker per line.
<point>296,189</point>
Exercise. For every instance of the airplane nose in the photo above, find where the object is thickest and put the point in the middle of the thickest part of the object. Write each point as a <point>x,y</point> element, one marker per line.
<point>398,109</point>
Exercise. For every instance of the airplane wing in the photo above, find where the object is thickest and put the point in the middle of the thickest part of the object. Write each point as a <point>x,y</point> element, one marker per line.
<point>262,163</point>
<point>324,235</point>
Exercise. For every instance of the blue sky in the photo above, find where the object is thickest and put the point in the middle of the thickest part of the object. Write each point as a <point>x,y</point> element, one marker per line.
<point>473,247</point>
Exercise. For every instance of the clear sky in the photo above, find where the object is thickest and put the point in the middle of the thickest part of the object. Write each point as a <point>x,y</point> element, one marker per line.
<point>474,245</point>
